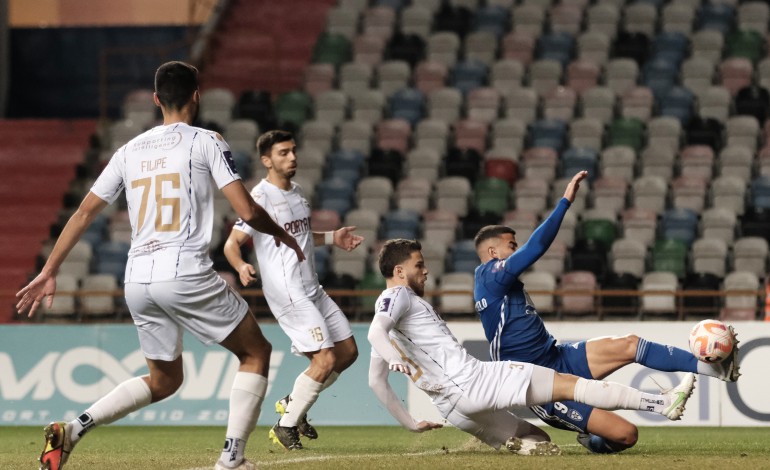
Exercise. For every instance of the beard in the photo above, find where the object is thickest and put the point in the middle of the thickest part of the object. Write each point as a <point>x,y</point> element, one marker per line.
<point>417,287</point>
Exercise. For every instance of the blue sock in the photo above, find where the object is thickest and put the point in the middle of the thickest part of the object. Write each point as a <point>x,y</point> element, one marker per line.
<point>665,358</point>
<point>600,445</point>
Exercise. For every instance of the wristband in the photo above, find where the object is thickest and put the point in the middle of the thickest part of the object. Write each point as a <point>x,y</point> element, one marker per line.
<point>328,238</point>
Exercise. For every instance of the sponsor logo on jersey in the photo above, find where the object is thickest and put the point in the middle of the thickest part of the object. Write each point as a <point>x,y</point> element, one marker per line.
<point>163,142</point>
<point>385,304</point>
<point>297,226</point>
<point>498,266</point>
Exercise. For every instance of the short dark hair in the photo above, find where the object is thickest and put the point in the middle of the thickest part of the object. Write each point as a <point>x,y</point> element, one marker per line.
<point>395,252</point>
<point>491,231</point>
<point>175,83</point>
<point>268,139</point>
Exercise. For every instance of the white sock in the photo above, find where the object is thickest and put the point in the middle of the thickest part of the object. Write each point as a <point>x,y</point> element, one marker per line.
<point>245,402</point>
<point>304,394</point>
<point>126,398</point>
<point>332,378</point>
<point>614,396</point>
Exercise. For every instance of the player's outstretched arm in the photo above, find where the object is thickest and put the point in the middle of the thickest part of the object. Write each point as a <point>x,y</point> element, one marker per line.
<point>44,285</point>
<point>378,382</point>
<point>574,185</point>
<point>254,215</point>
<point>232,250</point>
<point>544,235</point>
<point>343,238</point>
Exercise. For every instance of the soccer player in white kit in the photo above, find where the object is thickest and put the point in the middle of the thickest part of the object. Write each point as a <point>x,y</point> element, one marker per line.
<point>408,336</point>
<point>170,285</point>
<point>312,320</point>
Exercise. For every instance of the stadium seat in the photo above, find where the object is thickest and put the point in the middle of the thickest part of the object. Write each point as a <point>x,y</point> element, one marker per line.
<point>540,287</point>
<point>626,131</point>
<point>491,196</point>
<point>659,304</point>
<point>453,193</point>
<point>440,225</point>
<point>735,286</point>
<point>649,192</point>
<point>413,194</point>
<point>670,255</point>
<point>64,305</point>
<point>95,305</point>
<point>618,161</point>
<point>457,303</point>
<point>577,297</point>
<point>689,193</point>
<point>750,255</point>
<point>374,193</point>
<point>709,256</point>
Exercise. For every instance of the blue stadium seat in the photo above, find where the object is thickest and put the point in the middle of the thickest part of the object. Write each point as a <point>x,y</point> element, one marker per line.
<point>760,192</point>
<point>679,224</point>
<point>400,223</point>
<point>660,75</point>
<point>678,103</point>
<point>469,75</point>
<point>493,19</point>
<point>345,164</point>
<point>463,257</point>
<point>407,104</point>
<point>556,46</point>
<point>548,133</point>
<point>718,16</point>
<point>578,159</point>
<point>672,46</point>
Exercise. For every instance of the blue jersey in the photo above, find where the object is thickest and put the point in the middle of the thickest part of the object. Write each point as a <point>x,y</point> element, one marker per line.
<point>511,324</point>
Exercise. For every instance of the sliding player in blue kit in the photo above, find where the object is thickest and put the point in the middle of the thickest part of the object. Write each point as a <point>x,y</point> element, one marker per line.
<point>516,333</point>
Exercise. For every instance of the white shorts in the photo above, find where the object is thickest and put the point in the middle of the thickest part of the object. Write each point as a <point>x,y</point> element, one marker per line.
<point>316,324</point>
<point>206,306</point>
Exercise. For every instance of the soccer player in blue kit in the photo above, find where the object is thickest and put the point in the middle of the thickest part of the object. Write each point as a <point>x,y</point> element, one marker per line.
<point>516,333</point>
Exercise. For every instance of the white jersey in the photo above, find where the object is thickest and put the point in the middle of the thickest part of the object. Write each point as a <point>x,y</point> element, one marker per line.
<point>285,279</point>
<point>167,174</point>
<point>439,362</point>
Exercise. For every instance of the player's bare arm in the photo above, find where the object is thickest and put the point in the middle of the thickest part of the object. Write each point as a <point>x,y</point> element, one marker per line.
<point>342,238</point>
<point>574,185</point>
<point>246,271</point>
<point>44,285</point>
<point>254,215</point>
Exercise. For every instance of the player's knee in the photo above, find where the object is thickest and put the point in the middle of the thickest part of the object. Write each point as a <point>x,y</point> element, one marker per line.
<point>165,387</point>
<point>629,436</point>
<point>347,358</point>
<point>324,361</point>
<point>630,344</point>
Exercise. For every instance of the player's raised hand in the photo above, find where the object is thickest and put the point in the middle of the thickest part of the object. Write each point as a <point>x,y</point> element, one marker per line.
<point>32,294</point>
<point>246,273</point>
<point>423,426</point>
<point>291,242</point>
<point>346,239</point>
<point>574,185</point>
<point>398,367</point>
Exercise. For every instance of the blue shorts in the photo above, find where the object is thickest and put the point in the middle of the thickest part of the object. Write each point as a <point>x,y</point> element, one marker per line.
<point>569,415</point>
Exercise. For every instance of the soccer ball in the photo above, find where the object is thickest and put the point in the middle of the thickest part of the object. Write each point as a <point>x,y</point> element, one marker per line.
<point>711,341</point>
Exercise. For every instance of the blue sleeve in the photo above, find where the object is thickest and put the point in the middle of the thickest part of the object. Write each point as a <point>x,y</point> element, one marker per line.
<point>538,243</point>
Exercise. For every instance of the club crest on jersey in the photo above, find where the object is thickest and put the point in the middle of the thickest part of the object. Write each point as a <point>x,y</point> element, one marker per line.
<point>574,415</point>
<point>230,162</point>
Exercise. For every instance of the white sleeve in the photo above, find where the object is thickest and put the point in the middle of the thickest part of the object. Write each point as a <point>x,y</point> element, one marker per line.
<point>378,382</point>
<point>110,182</point>
<point>379,337</point>
<point>218,158</point>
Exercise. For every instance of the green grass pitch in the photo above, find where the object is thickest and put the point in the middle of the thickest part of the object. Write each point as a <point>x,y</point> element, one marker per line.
<point>188,448</point>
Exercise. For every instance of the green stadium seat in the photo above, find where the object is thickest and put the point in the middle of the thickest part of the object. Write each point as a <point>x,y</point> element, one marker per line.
<point>745,43</point>
<point>491,196</point>
<point>628,132</point>
<point>293,108</point>
<point>371,281</point>
<point>599,230</point>
<point>332,49</point>
<point>671,256</point>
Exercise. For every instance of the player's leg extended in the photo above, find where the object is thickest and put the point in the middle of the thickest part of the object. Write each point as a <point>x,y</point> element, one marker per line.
<point>248,391</point>
<point>606,355</point>
<point>547,385</point>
